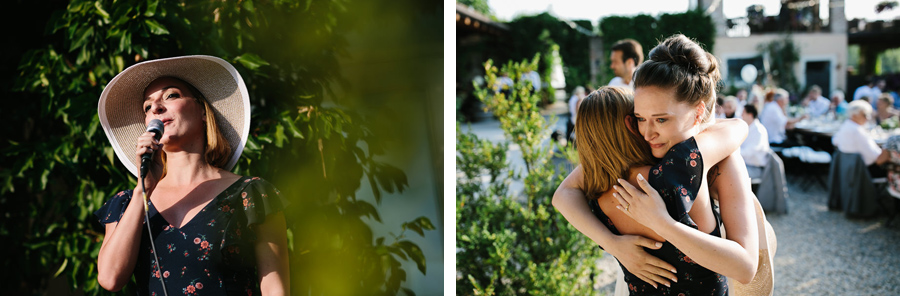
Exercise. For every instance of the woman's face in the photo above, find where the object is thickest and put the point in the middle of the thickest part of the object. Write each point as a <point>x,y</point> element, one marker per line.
<point>170,101</point>
<point>663,121</point>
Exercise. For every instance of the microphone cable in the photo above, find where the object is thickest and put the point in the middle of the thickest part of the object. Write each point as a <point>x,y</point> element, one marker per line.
<point>150,234</point>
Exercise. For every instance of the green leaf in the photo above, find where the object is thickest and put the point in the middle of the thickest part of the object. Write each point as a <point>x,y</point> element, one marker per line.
<point>61,268</point>
<point>279,135</point>
<point>151,8</point>
<point>84,34</point>
<point>414,252</point>
<point>248,5</point>
<point>44,176</point>
<point>156,28</point>
<point>102,13</point>
<point>368,209</point>
<point>251,61</point>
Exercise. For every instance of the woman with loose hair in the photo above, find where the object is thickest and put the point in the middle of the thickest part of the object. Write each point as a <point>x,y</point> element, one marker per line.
<point>190,226</point>
<point>674,223</point>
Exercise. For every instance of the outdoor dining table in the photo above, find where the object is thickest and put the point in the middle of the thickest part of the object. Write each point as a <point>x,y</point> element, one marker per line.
<point>817,133</point>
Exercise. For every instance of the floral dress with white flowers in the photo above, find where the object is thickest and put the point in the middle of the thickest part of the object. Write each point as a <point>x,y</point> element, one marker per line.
<point>213,254</point>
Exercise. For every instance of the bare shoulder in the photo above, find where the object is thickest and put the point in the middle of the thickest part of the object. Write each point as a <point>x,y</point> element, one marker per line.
<point>634,171</point>
<point>228,177</point>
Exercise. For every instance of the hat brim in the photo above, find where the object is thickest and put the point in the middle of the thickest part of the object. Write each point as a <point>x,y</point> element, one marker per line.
<point>121,102</point>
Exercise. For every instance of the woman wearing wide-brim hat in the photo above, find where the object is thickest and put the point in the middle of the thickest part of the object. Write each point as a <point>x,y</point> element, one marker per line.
<point>213,232</point>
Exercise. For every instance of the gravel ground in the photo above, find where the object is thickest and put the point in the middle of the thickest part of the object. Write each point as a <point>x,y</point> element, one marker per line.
<point>821,252</point>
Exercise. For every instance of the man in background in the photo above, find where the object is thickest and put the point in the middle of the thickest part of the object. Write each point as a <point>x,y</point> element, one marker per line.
<point>625,56</point>
<point>817,105</point>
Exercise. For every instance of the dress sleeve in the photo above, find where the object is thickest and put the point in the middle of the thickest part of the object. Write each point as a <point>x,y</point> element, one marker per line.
<point>677,178</point>
<point>255,200</point>
<point>114,208</point>
<point>260,199</point>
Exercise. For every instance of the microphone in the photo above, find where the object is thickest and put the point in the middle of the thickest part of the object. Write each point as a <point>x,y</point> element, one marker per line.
<point>157,128</point>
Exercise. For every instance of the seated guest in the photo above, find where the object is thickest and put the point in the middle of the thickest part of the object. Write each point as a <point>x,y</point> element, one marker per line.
<point>815,103</point>
<point>853,137</point>
<point>838,105</point>
<point>885,107</point>
<point>774,118</point>
<point>756,146</point>
<point>730,107</point>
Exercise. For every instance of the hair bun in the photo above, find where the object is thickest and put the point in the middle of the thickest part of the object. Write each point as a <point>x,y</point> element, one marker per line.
<point>680,51</point>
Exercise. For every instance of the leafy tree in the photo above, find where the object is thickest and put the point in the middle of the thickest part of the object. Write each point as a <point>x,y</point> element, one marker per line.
<point>782,55</point>
<point>479,6</point>
<point>513,243</point>
<point>58,168</point>
<point>574,46</point>
<point>649,31</point>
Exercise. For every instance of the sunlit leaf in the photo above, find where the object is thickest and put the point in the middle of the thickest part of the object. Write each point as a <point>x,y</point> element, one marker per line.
<point>62,267</point>
<point>251,61</point>
<point>155,27</point>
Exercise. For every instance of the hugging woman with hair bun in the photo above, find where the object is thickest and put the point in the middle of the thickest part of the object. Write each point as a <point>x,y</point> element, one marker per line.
<point>664,138</point>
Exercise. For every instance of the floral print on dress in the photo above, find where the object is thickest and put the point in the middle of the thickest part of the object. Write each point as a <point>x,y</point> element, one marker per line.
<point>207,251</point>
<point>678,187</point>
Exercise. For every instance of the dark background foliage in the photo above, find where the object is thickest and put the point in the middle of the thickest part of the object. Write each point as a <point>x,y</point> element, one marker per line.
<point>649,31</point>
<point>319,147</point>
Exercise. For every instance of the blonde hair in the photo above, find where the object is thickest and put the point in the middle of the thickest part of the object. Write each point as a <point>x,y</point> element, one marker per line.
<point>606,147</point>
<point>216,150</point>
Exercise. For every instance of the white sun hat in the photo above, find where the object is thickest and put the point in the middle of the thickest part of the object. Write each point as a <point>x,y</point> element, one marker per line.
<point>120,106</point>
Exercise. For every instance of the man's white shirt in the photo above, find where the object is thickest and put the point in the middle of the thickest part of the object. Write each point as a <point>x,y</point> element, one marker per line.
<point>774,120</point>
<point>756,147</point>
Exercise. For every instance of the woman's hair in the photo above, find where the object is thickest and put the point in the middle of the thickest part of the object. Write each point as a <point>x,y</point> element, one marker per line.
<point>681,64</point>
<point>606,147</point>
<point>217,150</point>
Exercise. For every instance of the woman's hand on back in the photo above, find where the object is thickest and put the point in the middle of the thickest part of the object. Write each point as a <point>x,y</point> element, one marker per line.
<point>570,201</point>
<point>645,208</point>
<point>629,250</point>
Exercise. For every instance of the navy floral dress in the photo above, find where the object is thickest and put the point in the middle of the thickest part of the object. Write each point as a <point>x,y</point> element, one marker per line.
<point>677,177</point>
<point>213,254</point>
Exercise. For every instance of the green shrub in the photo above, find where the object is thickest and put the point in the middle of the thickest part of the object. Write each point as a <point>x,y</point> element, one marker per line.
<point>514,243</point>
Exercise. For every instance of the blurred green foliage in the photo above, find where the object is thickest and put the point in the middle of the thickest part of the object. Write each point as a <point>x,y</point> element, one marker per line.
<point>479,6</point>
<point>573,46</point>
<point>511,243</point>
<point>782,55</point>
<point>649,31</point>
<point>57,167</point>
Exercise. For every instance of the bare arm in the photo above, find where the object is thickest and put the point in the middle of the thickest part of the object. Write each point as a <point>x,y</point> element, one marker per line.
<point>735,257</point>
<point>118,253</point>
<point>569,200</point>
<point>272,256</point>
<point>721,139</point>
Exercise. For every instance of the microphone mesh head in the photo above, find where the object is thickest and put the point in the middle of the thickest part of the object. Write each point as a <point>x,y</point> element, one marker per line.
<point>157,128</point>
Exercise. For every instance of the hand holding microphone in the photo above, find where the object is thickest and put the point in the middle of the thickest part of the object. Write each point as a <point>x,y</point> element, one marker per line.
<point>148,143</point>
